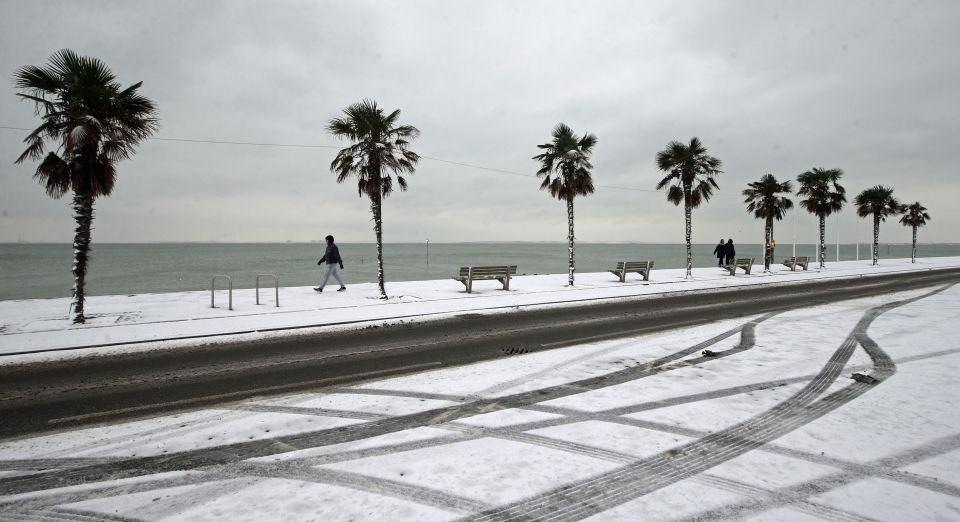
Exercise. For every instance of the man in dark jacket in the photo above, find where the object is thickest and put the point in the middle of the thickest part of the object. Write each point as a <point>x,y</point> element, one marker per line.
<point>729,251</point>
<point>332,258</point>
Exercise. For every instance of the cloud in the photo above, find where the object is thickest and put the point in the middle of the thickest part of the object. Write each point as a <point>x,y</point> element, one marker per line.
<point>775,87</point>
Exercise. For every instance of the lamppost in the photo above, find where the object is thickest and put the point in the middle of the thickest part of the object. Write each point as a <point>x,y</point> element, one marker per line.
<point>428,251</point>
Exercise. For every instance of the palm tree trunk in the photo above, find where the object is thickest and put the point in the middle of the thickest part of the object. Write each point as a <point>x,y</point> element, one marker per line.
<point>377,208</point>
<point>913,251</point>
<point>767,250</point>
<point>876,238</point>
<point>83,215</point>
<point>572,266</point>
<point>823,241</point>
<point>689,218</point>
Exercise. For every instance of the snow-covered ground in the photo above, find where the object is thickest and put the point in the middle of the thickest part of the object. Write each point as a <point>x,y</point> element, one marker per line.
<point>141,322</point>
<point>642,428</point>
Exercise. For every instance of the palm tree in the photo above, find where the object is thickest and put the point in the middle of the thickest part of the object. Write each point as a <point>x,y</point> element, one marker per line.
<point>92,123</point>
<point>879,202</point>
<point>565,168</point>
<point>914,215</point>
<point>825,196</point>
<point>378,150</point>
<point>764,201</point>
<point>690,173</point>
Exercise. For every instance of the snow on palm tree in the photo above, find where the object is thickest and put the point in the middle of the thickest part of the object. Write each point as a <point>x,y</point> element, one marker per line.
<point>825,196</point>
<point>95,123</point>
<point>690,172</point>
<point>565,169</point>
<point>764,200</point>
<point>914,215</point>
<point>878,202</point>
<point>379,149</point>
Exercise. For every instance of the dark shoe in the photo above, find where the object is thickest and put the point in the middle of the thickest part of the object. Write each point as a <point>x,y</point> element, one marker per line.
<point>341,289</point>
<point>318,289</point>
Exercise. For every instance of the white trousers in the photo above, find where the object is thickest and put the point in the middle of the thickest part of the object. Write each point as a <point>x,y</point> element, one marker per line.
<point>334,270</point>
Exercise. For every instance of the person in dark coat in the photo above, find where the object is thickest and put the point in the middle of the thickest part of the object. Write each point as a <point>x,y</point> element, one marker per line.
<point>332,259</point>
<point>729,251</point>
<point>721,252</point>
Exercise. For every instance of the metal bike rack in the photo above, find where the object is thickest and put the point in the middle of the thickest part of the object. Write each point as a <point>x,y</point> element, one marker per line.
<point>213,286</point>
<point>276,288</point>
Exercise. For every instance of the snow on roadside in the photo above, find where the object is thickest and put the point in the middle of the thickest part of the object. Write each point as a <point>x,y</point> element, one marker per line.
<point>490,463</point>
<point>40,325</point>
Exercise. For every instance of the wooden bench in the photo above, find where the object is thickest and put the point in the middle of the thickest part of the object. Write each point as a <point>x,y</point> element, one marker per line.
<point>745,263</point>
<point>624,267</point>
<point>469,274</point>
<point>793,262</point>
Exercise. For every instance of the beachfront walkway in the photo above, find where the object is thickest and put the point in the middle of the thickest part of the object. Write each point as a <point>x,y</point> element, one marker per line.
<point>771,428</point>
<point>42,325</point>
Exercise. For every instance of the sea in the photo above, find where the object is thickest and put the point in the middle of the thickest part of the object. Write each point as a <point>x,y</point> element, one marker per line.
<point>42,270</point>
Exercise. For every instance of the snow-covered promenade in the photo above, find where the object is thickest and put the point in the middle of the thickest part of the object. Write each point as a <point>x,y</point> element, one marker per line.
<point>139,321</point>
<point>642,428</point>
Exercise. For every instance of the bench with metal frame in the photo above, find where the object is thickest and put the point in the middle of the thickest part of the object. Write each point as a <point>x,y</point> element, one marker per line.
<point>469,274</point>
<point>793,262</point>
<point>624,267</point>
<point>746,263</point>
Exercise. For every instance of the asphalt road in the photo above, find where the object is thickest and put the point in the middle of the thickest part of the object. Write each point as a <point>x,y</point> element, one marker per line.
<point>58,395</point>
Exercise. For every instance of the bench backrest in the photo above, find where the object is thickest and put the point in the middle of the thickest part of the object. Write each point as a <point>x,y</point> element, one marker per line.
<point>634,265</point>
<point>481,271</point>
<point>743,261</point>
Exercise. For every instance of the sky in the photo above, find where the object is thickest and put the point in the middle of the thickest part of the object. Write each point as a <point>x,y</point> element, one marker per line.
<point>768,86</point>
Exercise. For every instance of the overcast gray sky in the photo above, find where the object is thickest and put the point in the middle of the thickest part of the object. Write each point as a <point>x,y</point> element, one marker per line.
<point>769,87</point>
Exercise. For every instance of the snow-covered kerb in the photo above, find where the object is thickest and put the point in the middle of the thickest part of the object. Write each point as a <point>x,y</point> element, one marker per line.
<point>37,326</point>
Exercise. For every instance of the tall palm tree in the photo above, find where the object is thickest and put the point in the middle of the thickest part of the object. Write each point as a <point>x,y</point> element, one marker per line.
<point>92,123</point>
<point>765,201</point>
<point>914,215</point>
<point>565,169</point>
<point>690,172</point>
<point>825,196</point>
<point>379,149</point>
<point>879,202</point>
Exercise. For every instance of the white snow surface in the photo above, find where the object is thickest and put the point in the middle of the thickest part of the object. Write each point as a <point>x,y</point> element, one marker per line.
<point>890,454</point>
<point>156,321</point>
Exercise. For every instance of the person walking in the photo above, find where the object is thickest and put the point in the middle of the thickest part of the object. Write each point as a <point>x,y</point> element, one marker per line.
<point>729,251</point>
<point>721,252</point>
<point>332,258</point>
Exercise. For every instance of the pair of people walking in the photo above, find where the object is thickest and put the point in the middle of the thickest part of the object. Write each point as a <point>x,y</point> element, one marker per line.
<point>725,252</point>
<point>331,257</point>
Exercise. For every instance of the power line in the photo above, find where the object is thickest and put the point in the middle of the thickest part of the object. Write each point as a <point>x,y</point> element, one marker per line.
<point>308,146</point>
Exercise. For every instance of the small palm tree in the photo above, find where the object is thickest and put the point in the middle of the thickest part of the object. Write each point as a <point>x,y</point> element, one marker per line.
<point>93,123</point>
<point>565,169</point>
<point>378,150</point>
<point>879,202</point>
<point>914,215</point>
<point>825,196</point>
<point>764,200</point>
<point>690,172</point>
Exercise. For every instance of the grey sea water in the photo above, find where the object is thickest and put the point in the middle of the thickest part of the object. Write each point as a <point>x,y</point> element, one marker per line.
<point>31,270</point>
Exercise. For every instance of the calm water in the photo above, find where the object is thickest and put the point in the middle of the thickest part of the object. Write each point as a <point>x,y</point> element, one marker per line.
<point>43,270</point>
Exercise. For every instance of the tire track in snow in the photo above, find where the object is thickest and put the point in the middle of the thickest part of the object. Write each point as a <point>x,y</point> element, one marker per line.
<point>594,495</point>
<point>240,451</point>
<point>800,492</point>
